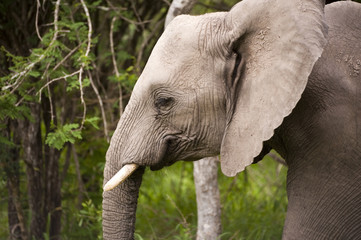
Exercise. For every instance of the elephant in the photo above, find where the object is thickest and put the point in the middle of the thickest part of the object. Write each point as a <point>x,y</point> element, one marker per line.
<point>268,74</point>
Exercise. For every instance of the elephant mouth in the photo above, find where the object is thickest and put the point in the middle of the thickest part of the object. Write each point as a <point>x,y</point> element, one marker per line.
<point>171,147</point>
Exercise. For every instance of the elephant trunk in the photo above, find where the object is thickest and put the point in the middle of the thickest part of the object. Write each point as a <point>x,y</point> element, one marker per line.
<point>119,207</point>
<point>120,203</point>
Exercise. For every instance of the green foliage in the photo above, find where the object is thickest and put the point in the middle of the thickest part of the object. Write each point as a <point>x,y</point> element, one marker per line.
<point>253,203</point>
<point>90,218</point>
<point>10,109</point>
<point>93,121</point>
<point>127,78</point>
<point>171,204</point>
<point>63,134</point>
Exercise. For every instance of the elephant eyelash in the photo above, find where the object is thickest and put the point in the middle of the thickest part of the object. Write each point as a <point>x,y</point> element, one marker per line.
<point>236,69</point>
<point>164,103</point>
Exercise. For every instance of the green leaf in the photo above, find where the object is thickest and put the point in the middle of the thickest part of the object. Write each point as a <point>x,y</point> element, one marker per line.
<point>85,82</point>
<point>73,82</point>
<point>34,73</point>
<point>66,133</point>
<point>93,121</point>
<point>8,108</point>
<point>129,69</point>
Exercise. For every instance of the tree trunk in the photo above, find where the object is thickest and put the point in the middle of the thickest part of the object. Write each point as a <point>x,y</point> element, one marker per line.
<point>81,186</point>
<point>53,191</point>
<point>32,145</point>
<point>10,158</point>
<point>178,7</point>
<point>52,183</point>
<point>16,217</point>
<point>208,198</point>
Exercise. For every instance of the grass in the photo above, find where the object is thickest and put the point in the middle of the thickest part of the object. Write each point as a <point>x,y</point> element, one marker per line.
<point>253,203</point>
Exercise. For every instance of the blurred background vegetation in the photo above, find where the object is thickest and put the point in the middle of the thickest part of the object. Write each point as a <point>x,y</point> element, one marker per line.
<point>67,69</point>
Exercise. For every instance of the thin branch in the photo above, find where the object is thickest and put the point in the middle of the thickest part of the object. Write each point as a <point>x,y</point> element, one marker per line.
<point>166,2</point>
<point>112,46</point>
<point>134,22</point>
<point>101,106</point>
<point>137,15</point>
<point>19,76</point>
<point>66,57</point>
<point>43,76</point>
<point>81,185</point>
<point>145,43</point>
<point>14,193</point>
<point>96,70</point>
<point>277,158</point>
<point>82,96</point>
<point>51,105</point>
<point>57,79</point>
<point>90,30</point>
<point>113,8</point>
<point>38,5</point>
<point>22,99</point>
<point>115,65</point>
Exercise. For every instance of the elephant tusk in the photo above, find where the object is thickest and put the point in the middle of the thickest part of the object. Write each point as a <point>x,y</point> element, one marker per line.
<point>120,176</point>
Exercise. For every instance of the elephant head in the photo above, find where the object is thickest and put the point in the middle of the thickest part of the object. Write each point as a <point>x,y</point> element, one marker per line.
<point>216,83</point>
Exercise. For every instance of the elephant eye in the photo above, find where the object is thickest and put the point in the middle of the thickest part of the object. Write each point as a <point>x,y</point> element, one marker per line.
<point>164,103</point>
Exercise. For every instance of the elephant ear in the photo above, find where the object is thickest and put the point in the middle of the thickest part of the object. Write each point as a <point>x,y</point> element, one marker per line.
<point>279,42</point>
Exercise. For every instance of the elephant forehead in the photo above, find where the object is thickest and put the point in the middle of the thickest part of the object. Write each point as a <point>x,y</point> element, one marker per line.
<point>187,36</point>
<point>188,74</point>
<point>178,41</point>
<point>183,56</point>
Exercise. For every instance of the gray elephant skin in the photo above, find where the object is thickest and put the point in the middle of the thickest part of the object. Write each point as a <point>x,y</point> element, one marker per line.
<point>234,83</point>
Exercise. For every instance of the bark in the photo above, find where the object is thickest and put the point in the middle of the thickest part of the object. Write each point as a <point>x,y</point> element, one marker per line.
<point>52,176</point>
<point>32,143</point>
<point>13,220</point>
<point>178,7</point>
<point>53,192</point>
<point>81,186</point>
<point>10,158</point>
<point>208,198</point>
<point>16,217</point>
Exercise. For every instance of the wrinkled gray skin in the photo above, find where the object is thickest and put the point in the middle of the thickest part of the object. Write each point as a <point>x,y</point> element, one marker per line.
<point>186,106</point>
<point>321,139</point>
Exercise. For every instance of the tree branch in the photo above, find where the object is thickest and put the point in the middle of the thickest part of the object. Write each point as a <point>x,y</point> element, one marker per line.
<point>19,76</point>
<point>101,106</point>
<point>145,42</point>
<point>37,19</point>
<point>90,30</point>
<point>115,65</point>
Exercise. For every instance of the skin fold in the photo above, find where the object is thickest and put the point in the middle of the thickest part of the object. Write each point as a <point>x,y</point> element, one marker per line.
<point>228,83</point>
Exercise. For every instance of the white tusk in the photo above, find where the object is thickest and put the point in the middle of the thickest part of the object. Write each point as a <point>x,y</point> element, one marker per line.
<point>120,176</point>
